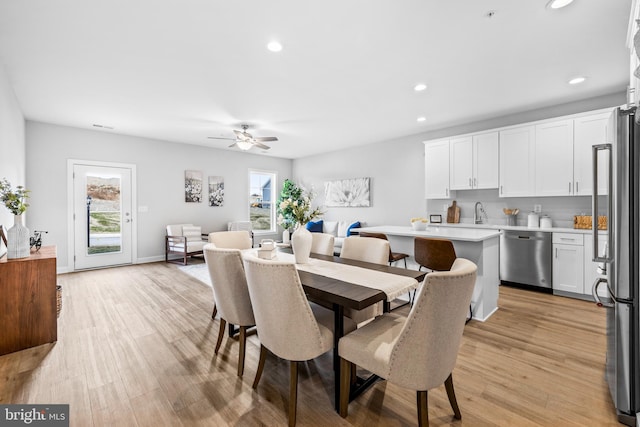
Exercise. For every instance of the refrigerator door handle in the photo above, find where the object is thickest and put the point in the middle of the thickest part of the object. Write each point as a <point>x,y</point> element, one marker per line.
<point>594,202</point>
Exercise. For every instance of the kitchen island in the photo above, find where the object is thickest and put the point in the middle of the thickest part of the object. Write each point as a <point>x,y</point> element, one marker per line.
<point>478,245</point>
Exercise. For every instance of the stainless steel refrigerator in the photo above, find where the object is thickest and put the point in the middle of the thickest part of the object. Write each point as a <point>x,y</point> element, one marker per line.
<point>616,188</point>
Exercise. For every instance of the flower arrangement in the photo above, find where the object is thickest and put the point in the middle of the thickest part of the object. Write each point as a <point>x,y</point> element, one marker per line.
<point>294,206</point>
<point>14,200</point>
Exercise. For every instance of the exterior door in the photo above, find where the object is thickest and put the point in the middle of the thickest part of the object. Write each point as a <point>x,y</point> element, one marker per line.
<point>102,216</point>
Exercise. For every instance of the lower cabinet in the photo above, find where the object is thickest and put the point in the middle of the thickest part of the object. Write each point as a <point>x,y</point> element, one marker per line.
<point>568,263</point>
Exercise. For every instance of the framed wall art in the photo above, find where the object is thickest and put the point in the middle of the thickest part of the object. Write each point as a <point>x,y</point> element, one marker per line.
<point>347,193</point>
<point>216,191</point>
<point>192,186</point>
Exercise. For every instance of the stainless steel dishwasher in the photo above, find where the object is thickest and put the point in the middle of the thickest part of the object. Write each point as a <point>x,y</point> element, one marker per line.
<point>526,258</point>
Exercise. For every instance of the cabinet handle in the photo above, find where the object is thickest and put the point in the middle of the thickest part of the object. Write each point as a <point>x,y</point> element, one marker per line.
<point>577,187</point>
<point>447,190</point>
<point>556,252</point>
<point>469,182</point>
<point>474,183</point>
<point>501,189</point>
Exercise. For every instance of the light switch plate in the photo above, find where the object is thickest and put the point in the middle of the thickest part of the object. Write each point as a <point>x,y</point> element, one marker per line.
<point>537,208</point>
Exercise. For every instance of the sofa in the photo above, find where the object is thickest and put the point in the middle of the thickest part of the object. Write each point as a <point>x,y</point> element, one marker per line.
<point>338,229</point>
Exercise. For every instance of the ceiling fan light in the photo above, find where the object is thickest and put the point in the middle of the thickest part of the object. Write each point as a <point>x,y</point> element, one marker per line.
<point>557,4</point>
<point>244,145</point>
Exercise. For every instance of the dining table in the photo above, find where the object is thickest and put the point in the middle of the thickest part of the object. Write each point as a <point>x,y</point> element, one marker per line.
<point>340,283</point>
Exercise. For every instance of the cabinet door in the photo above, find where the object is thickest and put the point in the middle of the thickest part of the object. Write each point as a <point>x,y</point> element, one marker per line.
<point>461,163</point>
<point>485,160</point>
<point>588,131</point>
<point>590,267</point>
<point>436,163</point>
<point>554,158</point>
<point>517,162</point>
<point>568,268</point>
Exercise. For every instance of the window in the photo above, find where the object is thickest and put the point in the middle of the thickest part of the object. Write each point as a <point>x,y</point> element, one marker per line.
<point>262,209</point>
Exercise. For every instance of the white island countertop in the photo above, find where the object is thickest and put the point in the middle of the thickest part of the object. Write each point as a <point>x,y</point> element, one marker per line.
<point>459,234</point>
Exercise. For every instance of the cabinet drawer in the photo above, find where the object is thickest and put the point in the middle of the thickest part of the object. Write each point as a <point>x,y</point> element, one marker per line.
<point>568,238</point>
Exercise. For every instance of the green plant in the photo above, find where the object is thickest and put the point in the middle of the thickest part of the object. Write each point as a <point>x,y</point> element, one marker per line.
<point>14,200</point>
<point>294,206</point>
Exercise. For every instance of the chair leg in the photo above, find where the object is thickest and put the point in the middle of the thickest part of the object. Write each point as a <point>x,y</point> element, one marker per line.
<point>345,387</point>
<point>215,311</point>
<point>423,409</point>
<point>263,355</point>
<point>243,344</point>
<point>448,384</point>
<point>223,323</point>
<point>293,392</point>
<point>405,262</point>
<point>184,262</point>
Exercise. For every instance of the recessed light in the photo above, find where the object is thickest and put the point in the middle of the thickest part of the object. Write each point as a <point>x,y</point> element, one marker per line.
<point>577,80</point>
<point>557,4</point>
<point>274,46</point>
<point>421,119</point>
<point>420,87</point>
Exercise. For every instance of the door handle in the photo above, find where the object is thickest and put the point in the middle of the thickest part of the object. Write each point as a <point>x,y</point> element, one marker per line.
<point>127,220</point>
<point>606,257</point>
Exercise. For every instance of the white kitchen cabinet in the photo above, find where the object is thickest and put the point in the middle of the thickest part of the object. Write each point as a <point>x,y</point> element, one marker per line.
<point>591,267</point>
<point>436,163</point>
<point>517,162</point>
<point>461,163</point>
<point>568,262</point>
<point>474,161</point>
<point>554,158</point>
<point>588,131</point>
<point>485,160</point>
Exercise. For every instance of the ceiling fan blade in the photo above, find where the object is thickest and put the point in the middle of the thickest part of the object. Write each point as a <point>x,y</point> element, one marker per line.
<point>234,144</point>
<point>258,144</point>
<point>220,137</point>
<point>265,139</point>
<point>240,135</point>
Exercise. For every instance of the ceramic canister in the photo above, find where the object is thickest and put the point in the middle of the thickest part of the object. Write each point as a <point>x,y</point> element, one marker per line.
<point>533,220</point>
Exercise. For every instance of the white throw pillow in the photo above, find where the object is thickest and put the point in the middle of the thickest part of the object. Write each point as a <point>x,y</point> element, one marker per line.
<point>193,233</point>
<point>330,227</point>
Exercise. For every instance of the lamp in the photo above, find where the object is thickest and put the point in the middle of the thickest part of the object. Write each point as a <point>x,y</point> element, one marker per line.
<point>244,145</point>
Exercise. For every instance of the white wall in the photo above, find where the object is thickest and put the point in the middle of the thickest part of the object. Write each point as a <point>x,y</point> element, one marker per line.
<point>160,182</point>
<point>396,169</point>
<point>12,142</point>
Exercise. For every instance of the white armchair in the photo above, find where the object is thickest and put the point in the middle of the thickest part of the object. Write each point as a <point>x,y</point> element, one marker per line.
<point>185,240</point>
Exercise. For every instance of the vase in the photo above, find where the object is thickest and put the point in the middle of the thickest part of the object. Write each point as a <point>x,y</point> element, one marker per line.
<point>286,237</point>
<point>18,239</point>
<point>301,244</point>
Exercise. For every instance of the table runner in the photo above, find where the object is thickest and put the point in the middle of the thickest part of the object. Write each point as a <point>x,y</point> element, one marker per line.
<point>392,285</point>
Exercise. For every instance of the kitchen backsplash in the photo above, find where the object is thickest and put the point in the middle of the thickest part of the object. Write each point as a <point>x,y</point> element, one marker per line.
<point>560,209</point>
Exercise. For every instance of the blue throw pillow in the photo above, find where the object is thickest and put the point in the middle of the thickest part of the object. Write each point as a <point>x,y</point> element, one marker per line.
<point>354,225</point>
<point>315,227</point>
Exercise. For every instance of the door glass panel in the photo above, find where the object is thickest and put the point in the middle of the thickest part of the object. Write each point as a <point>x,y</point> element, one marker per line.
<point>104,214</point>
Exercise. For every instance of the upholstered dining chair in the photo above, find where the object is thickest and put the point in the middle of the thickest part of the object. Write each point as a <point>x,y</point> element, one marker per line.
<point>288,326</point>
<point>436,255</point>
<point>417,352</point>
<point>240,239</point>
<point>322,243</point>
<point>229,282</point>
<point>393,256</point>
<point>371,250</point>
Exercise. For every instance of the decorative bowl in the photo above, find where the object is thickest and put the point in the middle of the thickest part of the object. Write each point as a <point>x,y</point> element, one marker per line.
<point>419,225</point>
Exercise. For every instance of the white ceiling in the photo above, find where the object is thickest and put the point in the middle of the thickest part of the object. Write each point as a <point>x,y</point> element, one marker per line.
<point>184,70</point>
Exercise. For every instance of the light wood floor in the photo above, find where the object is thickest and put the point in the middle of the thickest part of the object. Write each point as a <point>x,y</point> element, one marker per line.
<point>135,347</point>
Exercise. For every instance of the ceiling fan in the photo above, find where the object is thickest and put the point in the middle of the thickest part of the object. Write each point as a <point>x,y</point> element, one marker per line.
<point>244,140</point>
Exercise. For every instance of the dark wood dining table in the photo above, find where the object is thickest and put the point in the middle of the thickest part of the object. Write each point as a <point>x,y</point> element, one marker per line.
<point>338,295</point>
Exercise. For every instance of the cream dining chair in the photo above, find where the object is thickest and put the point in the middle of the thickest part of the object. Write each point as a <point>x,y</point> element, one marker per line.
<point>240,239</point>
<point>288,326</point>
<point>368,249</point>
<point>230,288</point>
<point>417,352</point>
<point>322,243</point>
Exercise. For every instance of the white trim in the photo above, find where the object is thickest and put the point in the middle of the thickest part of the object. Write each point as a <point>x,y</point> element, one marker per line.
<point>134,207</point>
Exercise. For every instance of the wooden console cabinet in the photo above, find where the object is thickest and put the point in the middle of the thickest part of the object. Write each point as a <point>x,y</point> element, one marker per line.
<point>28,301</point>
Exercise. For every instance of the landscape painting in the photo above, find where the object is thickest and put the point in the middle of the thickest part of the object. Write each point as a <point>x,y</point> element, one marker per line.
<point>347,193</point>
<point>192,186</point>
<point>216,191</point>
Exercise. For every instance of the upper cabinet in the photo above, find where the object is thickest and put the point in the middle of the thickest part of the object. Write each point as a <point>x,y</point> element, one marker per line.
<point>436,164</point>
<point>517,162</point>
<point>474,162</point>
<point>554,158</point>
<point>588,131</point>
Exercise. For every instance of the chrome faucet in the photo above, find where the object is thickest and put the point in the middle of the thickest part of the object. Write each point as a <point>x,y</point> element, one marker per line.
<point>478,213</point>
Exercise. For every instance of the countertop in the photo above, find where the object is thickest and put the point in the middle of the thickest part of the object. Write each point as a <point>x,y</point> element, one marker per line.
<point>451,233</point>
<point>513,227</point>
